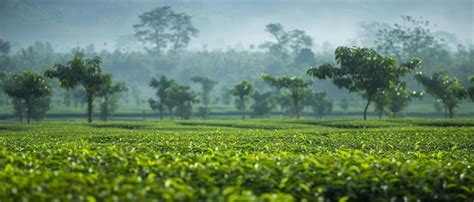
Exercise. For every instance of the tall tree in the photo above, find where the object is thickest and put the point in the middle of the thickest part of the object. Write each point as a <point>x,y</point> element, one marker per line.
<point>294,85</point>
<point>363,70</point>
<point>182,30</point>
<point>107,92</point>
<point>82,72</point>
<point>448,90</point>
<point>412,38</point>
<point>162,27</point>
<point>287,42</point>
<point>242,91</point>
<point>206,85</point>
<point>28,88</point>
<point>162,85</point>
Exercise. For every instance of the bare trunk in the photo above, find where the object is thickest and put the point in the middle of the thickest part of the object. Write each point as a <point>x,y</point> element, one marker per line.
<point>445,111</point>
<point>106,108</point>
<point>28,111</point>
<point>366,107</point>
<point>90,103</point>
<point>243,107</point>
<point>296,109</point>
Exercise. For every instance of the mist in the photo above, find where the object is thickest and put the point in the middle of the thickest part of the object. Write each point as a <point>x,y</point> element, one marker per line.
<point>223,25</point>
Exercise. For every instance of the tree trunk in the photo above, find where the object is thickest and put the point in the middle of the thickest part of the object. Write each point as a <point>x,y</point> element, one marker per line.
<point>106,108</point>
<point>366,107</point>
<point>90,100</point>
<point>296,109</point>
<point>450,108</point>
<point>243,107</point>
<point>445,111</point>
<point>28,111</point>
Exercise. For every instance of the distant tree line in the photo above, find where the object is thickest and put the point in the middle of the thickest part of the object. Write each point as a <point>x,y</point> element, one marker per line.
<point>387,74</point>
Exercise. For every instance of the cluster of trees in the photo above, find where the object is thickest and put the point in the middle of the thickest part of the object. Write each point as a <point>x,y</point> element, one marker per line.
<point>295,96</point>
<point>383,75</point>
<point>31,91</point>
<point>172,96</point>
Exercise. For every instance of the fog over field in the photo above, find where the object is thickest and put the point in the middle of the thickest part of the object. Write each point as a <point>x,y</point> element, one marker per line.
<point>223,24</point>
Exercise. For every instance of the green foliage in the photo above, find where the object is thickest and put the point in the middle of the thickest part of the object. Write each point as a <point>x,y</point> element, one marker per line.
<point>242,91</point>
<point>162,27</point>
<point>294,85</point>
<point>30,91</point>
<point>287,42</point>
<point>412,38</point>
<point>109,94</point>
<point>363,70</point>
<point>82,72</point>
<point>206,85</point>
<point>182,98</point>
<point>318,103</point>
<point>264,160</point>
<point>263,104</point>
<point>162,87</point>
<point>448,90</point>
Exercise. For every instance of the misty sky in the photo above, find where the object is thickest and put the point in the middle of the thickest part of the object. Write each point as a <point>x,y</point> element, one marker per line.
<point>222,23</point>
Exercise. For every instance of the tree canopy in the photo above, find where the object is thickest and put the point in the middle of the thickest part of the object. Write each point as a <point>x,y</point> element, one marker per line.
<point>363,70</point>
<point>448,91</point>
<point>242,91</point>
<point>294,85</point>
<point>28,88</point>
<point>161,28</point>
<point>82,72</point>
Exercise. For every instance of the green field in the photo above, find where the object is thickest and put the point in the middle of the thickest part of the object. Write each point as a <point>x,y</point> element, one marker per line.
<point>262,160</point>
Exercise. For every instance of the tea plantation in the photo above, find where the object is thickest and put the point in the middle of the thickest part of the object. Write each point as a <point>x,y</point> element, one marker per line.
<point>258,160</point>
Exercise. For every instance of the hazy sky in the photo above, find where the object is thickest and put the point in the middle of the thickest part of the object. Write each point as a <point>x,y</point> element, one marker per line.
<point>222,23</point>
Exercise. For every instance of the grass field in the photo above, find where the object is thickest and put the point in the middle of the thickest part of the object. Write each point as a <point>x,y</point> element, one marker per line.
<point>257,160</point>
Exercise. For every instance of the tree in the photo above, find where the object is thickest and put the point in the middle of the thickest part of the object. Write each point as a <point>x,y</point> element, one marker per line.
<point>183,98</point>
<point>242,91</point>
<point>286,42</point>
<point>108,92</point>
<point>294,85</point>
<point>182,30</point>
<point>82,72</point>
<point>206,86</point>
<point>363,70</point>
<point>263,104</point>
<point>394,99</point>
<point>162,87</point>
<point>318,103</point>
<point>410,39</point>
<point>448,90</point>
<point>28,89</point>
<point>162,26</point>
